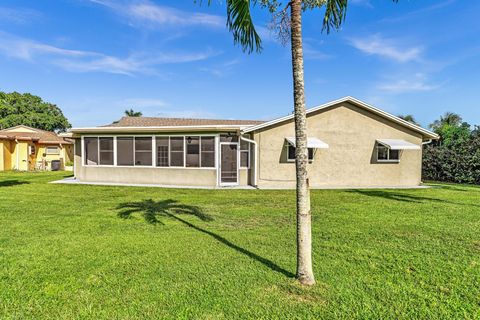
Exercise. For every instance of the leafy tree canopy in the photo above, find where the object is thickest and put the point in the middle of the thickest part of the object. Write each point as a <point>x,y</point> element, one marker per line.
<point>456,157</point>
<point>451,129</point>
<point>29,110</point>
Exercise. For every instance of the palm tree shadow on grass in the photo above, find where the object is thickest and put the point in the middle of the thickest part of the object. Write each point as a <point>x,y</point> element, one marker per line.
<point>12,183</point>
<point>402,197</point>
<point>150,209</point>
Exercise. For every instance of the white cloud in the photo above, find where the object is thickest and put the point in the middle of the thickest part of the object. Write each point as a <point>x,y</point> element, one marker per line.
<point>148,13</point>
<point>387,48</point>
<point>415,83</point>
<point>223,69</point>
<point>89,61</point>
<point>18,15</point>
<point>311,53</point>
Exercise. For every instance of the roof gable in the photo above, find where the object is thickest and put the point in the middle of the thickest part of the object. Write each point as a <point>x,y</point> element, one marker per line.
<point>25,133</point>
<point>360,104</point>
<point>21,128</point>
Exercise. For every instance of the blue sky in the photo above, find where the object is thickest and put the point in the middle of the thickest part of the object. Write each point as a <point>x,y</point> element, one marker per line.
<point>95,58</point>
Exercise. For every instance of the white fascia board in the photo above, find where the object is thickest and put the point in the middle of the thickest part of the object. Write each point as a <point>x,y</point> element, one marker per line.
<point>429,134</point>
<point>155,129</point>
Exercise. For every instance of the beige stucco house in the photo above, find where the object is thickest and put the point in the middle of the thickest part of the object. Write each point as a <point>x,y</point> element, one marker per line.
<point>351,144</point>
<point>26,149</point>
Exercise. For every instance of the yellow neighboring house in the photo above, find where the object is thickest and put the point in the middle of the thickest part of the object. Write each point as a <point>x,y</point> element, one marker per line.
<point>27,149</point>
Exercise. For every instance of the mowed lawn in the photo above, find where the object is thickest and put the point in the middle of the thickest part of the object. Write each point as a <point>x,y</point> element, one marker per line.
<point>93,252</point>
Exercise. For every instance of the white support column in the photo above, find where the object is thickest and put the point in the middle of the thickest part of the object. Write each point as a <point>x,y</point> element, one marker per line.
<point>115,151</point>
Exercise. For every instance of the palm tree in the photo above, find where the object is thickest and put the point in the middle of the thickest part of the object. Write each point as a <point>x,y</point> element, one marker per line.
<point>410,118</point>
<point>289,25</point>
<point>132,113</point>
<point>448,119</point>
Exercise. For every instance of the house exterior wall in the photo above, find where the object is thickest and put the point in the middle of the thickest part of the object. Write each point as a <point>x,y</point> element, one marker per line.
<point>350,161</point>
<point>62,155</point>
<point>7,155</point>
<point>20,157</point>
<point>2,156</point>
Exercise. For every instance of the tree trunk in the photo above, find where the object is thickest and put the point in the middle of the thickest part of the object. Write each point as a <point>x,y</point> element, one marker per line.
<point>304,216</point>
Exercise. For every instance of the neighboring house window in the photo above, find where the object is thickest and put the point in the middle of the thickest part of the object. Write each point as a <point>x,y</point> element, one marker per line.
<point>106,151</point>
<point>244,154</point>
<point>52,150</point>
<point>176,151</point>
<point>125,156</point>
<point>162,151</point>
<point>193,152</point>
<point>143,151</point>
<point>91,151</point>
<point>385,154</point>
<point>291,153</point>
<point>208,152</point>
<point>33,149</point>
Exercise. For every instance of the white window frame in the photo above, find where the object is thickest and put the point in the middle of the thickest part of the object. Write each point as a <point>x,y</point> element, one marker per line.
<point>240,154</point>
<point>52,153</point>
<point>288,145</point>
<point>388,160</point>
<point>225,184</point>
<point>98,147</point>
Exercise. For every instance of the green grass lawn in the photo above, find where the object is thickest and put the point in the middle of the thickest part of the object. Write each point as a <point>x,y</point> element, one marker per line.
<point>76,251</point>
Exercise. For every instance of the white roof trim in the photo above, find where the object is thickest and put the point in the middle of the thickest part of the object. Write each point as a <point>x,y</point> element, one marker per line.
<point>429,134</point>
<point>314,143</point>
<point>396,144</point>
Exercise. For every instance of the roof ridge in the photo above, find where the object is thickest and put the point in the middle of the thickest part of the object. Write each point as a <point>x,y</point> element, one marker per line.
<point>190,118</point>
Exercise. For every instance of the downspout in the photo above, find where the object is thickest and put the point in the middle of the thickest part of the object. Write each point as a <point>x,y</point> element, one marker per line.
<point>427,142</point>
<point>17,151</point>
<point>74,160</point>
<point>255,147</point>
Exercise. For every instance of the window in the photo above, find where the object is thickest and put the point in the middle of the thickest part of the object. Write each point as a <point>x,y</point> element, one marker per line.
<point>176,151</point>
<point>143,151</point>
<point>291,153</point>
<point>193,152</point>
<point>385,154</point>
<point>106,151</point>
<point>125,151</point>
<point>244,154</point>
<point>162,151</point>
<point>52,150</point>
<point>33,149</point>
<point>91,151</point>
<point>230,137</point>
<point>208,152</point>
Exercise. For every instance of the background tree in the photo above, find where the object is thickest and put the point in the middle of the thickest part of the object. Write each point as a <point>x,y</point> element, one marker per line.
<point>410,118</point>
<point>287,20</point>
<point>29,110</point>
<point>456,156</point>
<point>451,129</point>
<point>448,119</point>
<point>132,113</point>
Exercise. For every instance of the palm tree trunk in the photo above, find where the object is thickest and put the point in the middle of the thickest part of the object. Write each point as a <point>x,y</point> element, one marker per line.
<point>304,216</point>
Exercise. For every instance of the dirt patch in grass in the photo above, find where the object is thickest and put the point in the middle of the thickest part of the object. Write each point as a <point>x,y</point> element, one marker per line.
<point>476,245</point>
